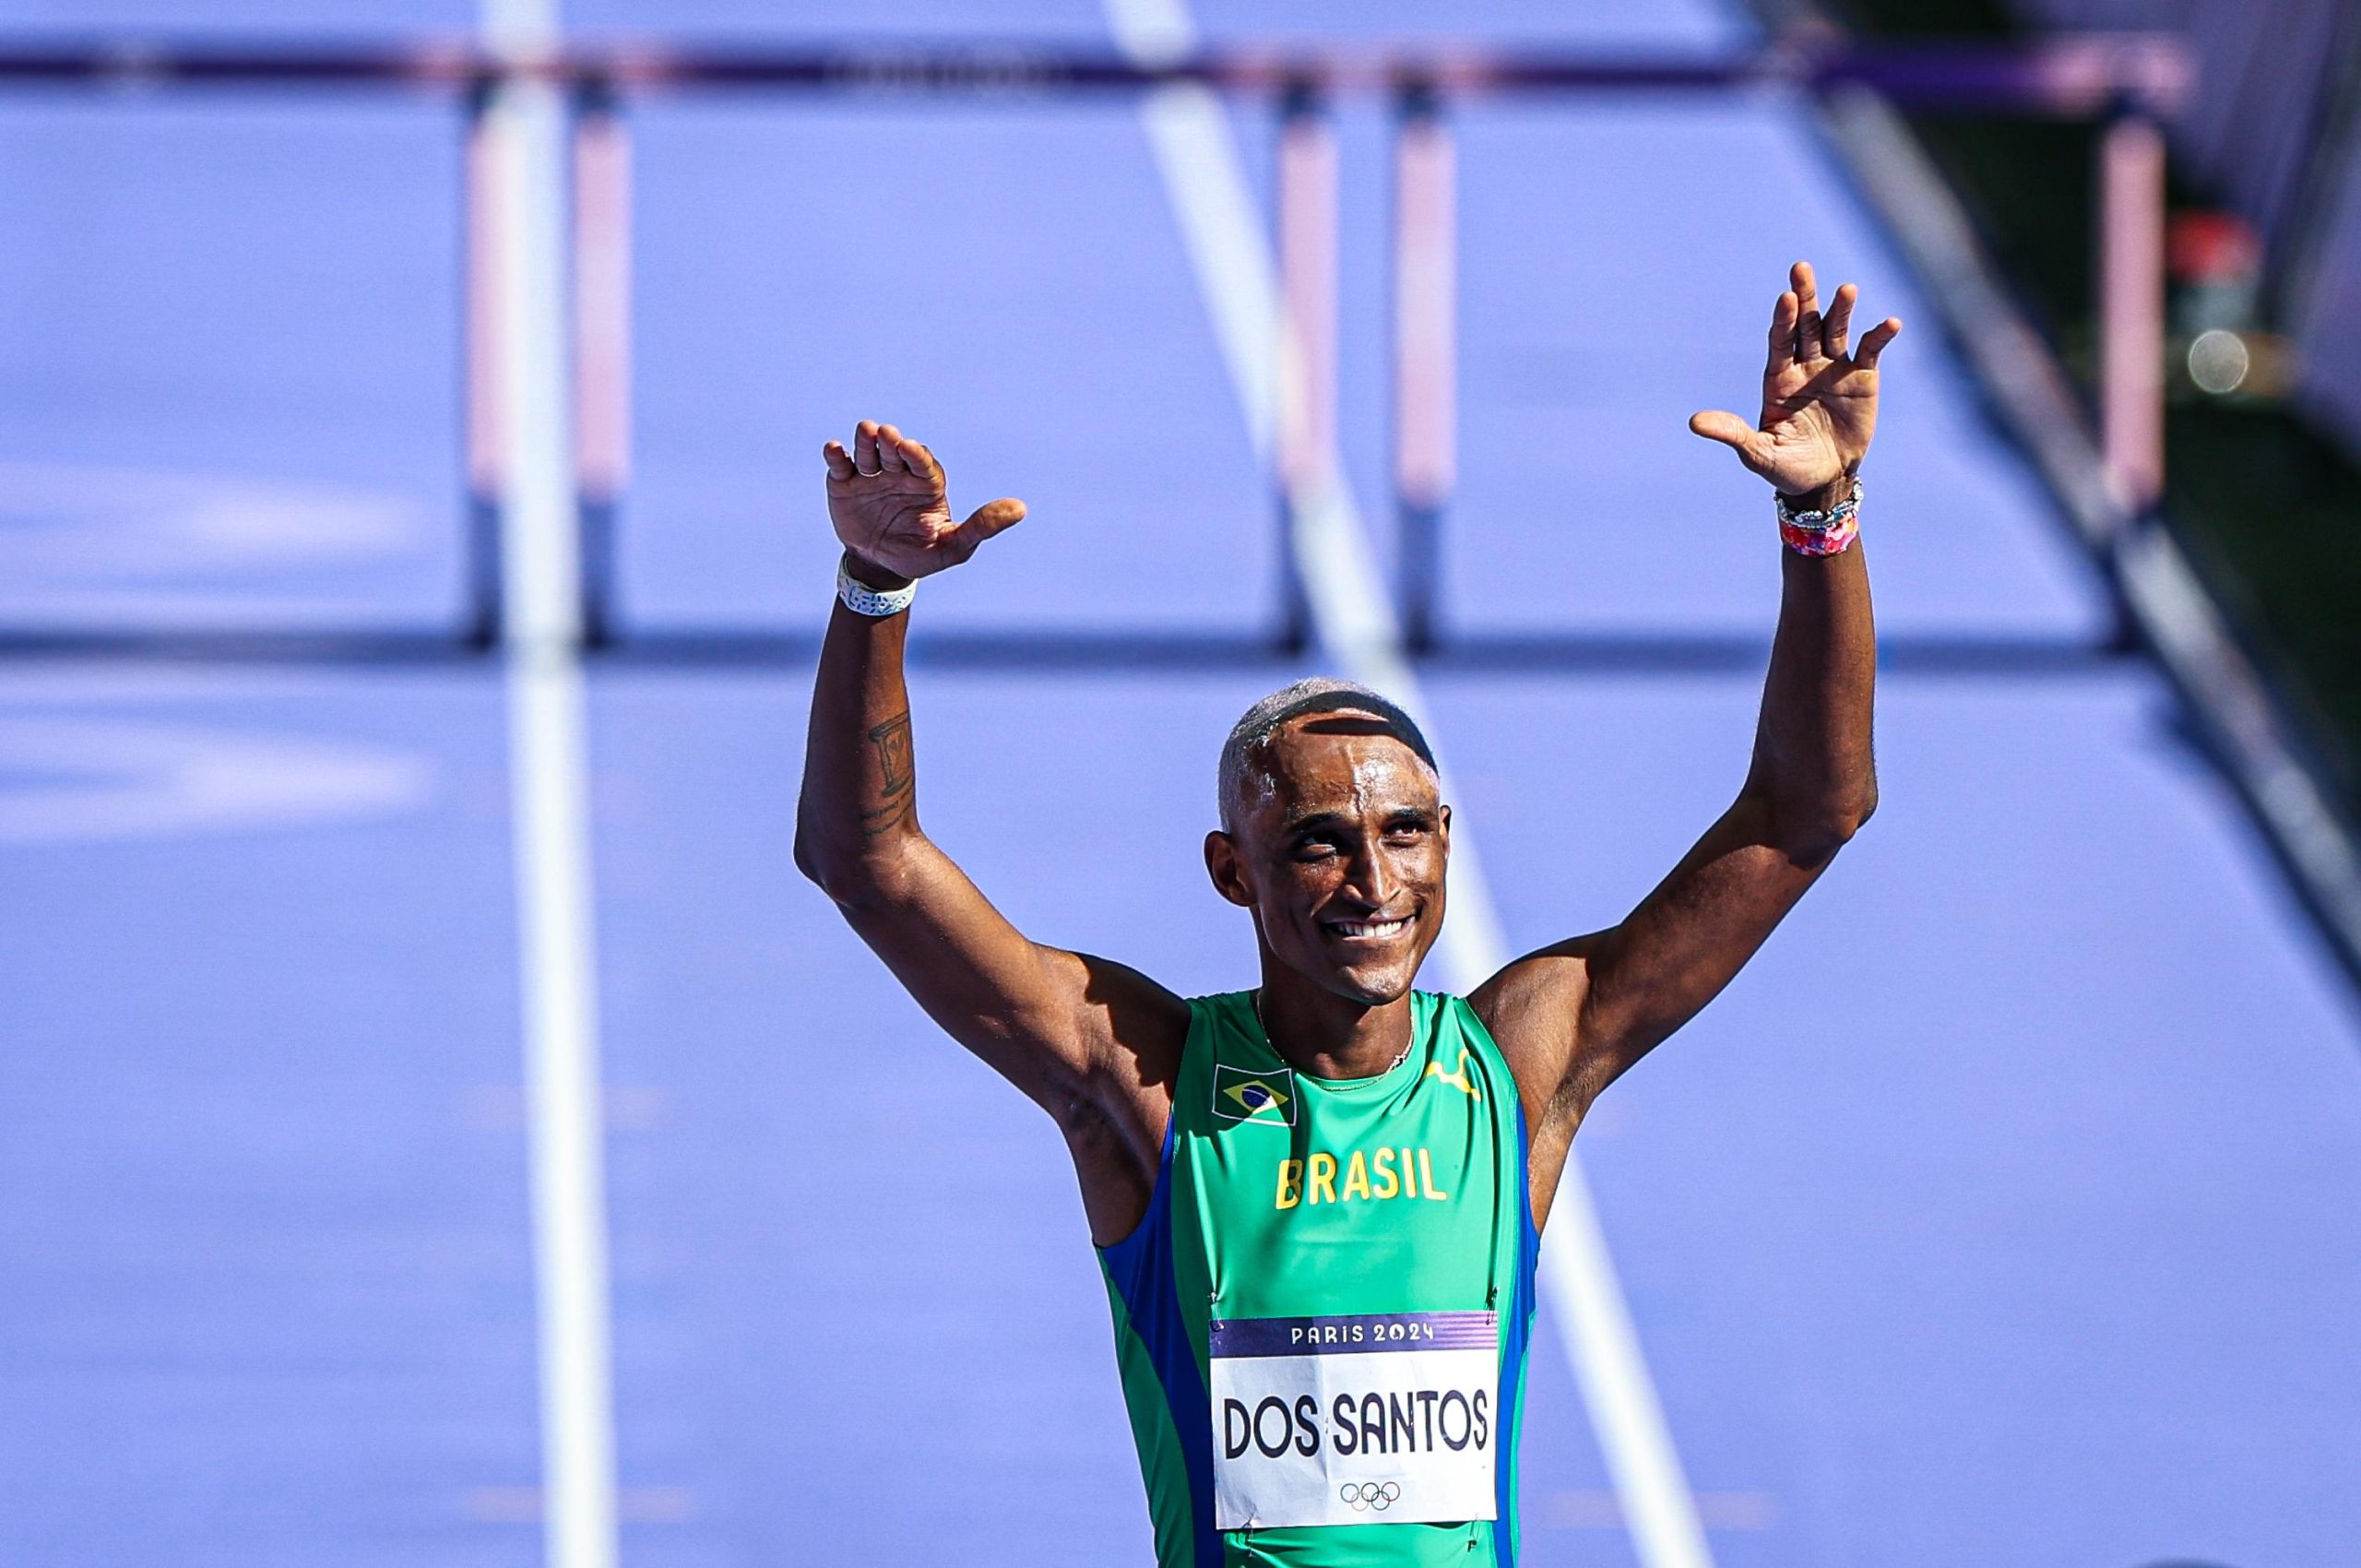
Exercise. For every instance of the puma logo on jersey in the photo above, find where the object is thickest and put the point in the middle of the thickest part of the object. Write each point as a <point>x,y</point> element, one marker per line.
<point>1457,1078</point>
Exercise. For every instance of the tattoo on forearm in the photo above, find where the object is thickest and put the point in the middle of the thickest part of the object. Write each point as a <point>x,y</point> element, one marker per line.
<point>895,796</point>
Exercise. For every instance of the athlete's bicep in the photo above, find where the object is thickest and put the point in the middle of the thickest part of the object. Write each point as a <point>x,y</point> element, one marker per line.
<point>1691,934</point>
<point>1057,1024</point>
<point>1533,1011</point>
<point>1583,1011</point>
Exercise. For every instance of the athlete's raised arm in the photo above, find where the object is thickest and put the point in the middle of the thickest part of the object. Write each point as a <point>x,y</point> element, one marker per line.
<point>1094,1043</point>
<point>1571,1017</point>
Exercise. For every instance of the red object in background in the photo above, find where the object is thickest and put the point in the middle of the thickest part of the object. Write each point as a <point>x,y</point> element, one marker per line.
<point>2211,247</point>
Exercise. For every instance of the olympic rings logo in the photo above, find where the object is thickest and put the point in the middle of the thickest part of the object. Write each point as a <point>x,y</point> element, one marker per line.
<point>1366,1495</point>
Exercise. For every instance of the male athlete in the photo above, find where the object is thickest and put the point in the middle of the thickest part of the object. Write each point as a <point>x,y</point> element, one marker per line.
<point>1317,1203</point>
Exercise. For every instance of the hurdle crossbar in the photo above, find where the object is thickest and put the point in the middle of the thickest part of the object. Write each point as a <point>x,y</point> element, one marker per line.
<point>2076,76</point>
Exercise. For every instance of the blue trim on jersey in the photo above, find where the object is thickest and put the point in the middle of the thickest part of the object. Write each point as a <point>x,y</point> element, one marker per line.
<point>1141,1267</point>
<point>1515,1335</point>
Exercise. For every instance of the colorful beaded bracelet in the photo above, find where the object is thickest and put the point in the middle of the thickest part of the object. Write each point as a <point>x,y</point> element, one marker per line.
<point>1821,533</point>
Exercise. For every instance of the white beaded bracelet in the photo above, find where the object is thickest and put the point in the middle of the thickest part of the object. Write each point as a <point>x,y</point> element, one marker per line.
<point>863,599</point>
<point>1819,522</point>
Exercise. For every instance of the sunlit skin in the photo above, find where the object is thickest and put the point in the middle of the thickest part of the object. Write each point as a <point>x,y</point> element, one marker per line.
<point>1342,831</point>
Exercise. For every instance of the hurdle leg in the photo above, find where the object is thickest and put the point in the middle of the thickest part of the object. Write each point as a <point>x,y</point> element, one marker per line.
<point>602,347</point>
<point>1307,347</point>
<point>1425,339</point>
<point>480,393</point>
<point>2132,309</point>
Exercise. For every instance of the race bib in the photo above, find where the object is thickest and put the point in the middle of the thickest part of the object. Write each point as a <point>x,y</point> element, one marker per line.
<point>1379,1418</point>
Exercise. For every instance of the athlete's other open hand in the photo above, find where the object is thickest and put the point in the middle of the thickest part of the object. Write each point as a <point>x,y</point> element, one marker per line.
<point>1820,403</point>
<point>891,509</point>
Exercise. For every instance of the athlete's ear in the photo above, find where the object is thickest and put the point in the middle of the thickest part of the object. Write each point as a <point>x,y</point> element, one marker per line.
<point>1227,868</point>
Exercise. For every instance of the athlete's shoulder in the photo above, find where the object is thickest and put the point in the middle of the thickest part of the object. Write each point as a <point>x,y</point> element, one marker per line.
<point>1223,1022</point>
<point>1224,1010</point>
<point>1448,1014</point>
<point>1442,1005</point>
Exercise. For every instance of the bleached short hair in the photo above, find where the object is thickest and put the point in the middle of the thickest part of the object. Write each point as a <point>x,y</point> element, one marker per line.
<point>1317,693</point>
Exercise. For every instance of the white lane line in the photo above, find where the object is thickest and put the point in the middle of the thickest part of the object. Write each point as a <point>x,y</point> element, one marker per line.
<point>80,521</point>
<point>549,773</point>
<point>86,780</point>
<point>1204,179</point>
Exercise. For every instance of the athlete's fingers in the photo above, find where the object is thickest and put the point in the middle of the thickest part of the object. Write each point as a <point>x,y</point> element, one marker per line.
<point>1714,424</point>
<point>918,459</point>
<point>1807,311</point>
<point>991,517</point>
<point>864,447</point>
<point>889,449</point>
<point>1838,322</point>
<point>1783,332</point>
<point>1874,340</point>
<point>839,461</point>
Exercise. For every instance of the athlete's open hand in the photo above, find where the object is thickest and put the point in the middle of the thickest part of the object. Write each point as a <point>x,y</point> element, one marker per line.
<point>1820,403</point>
<point>890,507</point>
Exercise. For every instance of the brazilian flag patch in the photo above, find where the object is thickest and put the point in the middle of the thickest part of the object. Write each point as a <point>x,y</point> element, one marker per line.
<point>1243,1096</point>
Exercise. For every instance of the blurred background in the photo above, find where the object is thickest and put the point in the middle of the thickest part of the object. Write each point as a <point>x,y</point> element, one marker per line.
<point>436,1122</point>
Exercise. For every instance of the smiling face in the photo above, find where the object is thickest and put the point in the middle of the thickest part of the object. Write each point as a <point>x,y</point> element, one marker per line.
<point>1338,844</point>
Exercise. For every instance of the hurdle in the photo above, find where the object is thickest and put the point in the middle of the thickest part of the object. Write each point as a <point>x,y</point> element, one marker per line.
<point>2129,82</point>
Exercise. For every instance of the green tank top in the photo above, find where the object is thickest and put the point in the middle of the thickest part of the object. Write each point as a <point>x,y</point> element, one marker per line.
<point>1322,1321</point>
